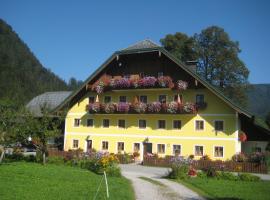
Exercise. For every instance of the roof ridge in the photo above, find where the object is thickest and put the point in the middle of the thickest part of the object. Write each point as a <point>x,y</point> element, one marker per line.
<point>142,44</point>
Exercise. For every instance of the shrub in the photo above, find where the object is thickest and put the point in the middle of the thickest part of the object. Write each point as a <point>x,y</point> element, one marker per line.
<point>248,177</point>
<point>192,172</point>
<point>227,176</point>
<point>201,175</point>
<point>30,158</point>
<point>240,157</point>
<point>191,157</point>
<point>256,157</point>
<point>55,160</point>
<point>113,170</point>
<point>136,154</point>
<point>179,172</point>
<point>210,171</point>
<point>205,158</point>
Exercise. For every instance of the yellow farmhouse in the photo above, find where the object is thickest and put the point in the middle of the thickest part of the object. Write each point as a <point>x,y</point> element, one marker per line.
<point>142,99</point>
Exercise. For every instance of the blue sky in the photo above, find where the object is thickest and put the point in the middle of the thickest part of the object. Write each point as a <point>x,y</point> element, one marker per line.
<point>72,38</point>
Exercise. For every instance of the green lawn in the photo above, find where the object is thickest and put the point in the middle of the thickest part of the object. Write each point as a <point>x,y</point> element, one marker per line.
<point>22,180</point>
<point>225,189</point>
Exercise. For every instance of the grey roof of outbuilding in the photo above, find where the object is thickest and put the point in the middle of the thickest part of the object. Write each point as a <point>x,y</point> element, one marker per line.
<point>144,44</point>
<point>50,99</point>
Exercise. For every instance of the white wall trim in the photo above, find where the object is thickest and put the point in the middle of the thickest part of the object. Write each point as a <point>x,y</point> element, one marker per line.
<point>145,136</point>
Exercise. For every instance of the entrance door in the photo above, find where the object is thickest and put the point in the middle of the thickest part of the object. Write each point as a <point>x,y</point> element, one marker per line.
<point>147,148</point>
<point>88,145</point>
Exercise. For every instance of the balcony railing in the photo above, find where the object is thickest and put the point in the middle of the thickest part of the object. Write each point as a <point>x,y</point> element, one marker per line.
<point>142,108</point>
<point>107,83</point>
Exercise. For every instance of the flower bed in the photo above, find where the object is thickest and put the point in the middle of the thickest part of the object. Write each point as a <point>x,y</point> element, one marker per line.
<point>139,107</point>
<point>106,83</point>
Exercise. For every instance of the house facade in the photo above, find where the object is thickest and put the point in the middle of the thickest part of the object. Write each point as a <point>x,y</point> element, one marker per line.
<point>142,99</point>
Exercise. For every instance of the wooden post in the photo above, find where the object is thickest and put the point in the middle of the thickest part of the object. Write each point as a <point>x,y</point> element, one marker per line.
<point>107,188</point>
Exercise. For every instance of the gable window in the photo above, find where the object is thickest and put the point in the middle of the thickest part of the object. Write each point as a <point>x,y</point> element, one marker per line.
<point>107,99</point>
<point>199,98</point>
<point>176,124</point>
<point>218,151</point>
<point>106,123</point>
<point>120,146</point>
<point>199,125</point>
<point>160,74</point>
<point>176,97</point>
<point>90,122</point>
<point>143,99</point>
<point>75,144</point>
<point>198,151</point>
<point>219,125</point>
<point>161,124</point>
<point>91,99</point>
<point>162,98</point>
<point>105,145</point>
<point>142,123</point>
<point>121,123</point>
<point>123,99</point>
<point>161,148</point>
<point>77,122</point>
<point>136,147</point>
<point>177,149</point>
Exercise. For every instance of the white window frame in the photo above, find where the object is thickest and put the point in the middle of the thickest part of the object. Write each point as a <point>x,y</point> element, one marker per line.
<point>164,148</point>
<point>175,129</point>
<point>102,145</point>
<point>134,146</point>
<point>180,149</point>
<point>217,120</point>
<point>194,150</point>
<point>214,151</point>
<point>117,146</point>
<point>73,143</point>
<point>203,125</point>
<point>74,122</point>
<point>139,124</point>
<point>119,126</point>
<point>158,124</point>
<point>103,123</point>
<point>87,122</point>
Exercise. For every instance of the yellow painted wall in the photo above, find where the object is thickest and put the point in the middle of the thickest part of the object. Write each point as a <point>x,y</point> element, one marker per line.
<point>187,136</point>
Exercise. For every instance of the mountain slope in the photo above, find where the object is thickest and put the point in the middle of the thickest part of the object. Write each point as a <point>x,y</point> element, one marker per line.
<point>259,99</point>
<point>22,76</point>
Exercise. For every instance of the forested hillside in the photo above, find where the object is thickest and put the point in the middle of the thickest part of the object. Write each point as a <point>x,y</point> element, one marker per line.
<point>22,76</point>
<point>259,99</point>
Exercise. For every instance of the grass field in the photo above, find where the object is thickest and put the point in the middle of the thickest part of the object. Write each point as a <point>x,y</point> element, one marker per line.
<point>22,180</point>
<point>226,189</point>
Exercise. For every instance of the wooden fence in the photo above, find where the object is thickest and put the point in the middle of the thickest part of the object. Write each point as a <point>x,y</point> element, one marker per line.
<point>218,165</point>
<point>123,159</point>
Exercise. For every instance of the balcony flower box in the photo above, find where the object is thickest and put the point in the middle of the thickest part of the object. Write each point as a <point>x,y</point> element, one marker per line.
<point>154,107</point>
<point>201,105</point>
<point>189,108</point>
<point>123,107</point>
<point>181,85</point>
<point>165,82</point>
<point>93,107</point>
<point>172,107</point>
<point>139,107</point>
<point>109,108</point>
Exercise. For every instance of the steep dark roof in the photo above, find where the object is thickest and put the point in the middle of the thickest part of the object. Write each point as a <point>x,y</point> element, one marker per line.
<point>50,99</point>
<point>147,46</point>
<point>144,44</point>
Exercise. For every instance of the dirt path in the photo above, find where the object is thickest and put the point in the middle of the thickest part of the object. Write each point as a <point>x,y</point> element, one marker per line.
<point>161,190</point>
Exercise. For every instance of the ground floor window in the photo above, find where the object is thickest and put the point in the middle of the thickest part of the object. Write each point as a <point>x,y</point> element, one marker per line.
<point>161,148</point>
<point>176,149</point>
<point>198,150</point>
<point>120,146</point>
<point>75,143</point>
<point>218,151</point>
<point>121,123</point>
<point>105,145</point>
<point>136,147</point>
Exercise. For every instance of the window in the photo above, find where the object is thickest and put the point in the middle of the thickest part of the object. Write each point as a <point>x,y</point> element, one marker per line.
<point>219,125</point>
<point>143,99</point>
<point>199,125</point>
<point>91,99</point>
<point>126,75</point>
<point>176,124</point>
<point>106,123</point>
<point>77,122</point>
<point>90,122</point>
<point>123,99</point>
<point>218,151</point>
<point>105,145</point>
<point>120,146</point>
<point>258,149</point>
<point>136,147</point>
<point>121,123</point>
<point>160,74</point>
<point>142,75</point>
<point>176,97</point>
<point>198,151</point>
<point>161,148</point>
<point>199,98</point>
<point>75,143</point>
<point>162,98</point>
<point>177,149</point>
<point>107,99</point>
<point>161,124</point>
<point>142,124</point>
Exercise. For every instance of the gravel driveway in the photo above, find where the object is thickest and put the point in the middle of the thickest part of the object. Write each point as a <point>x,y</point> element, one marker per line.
<point>145,190</point>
